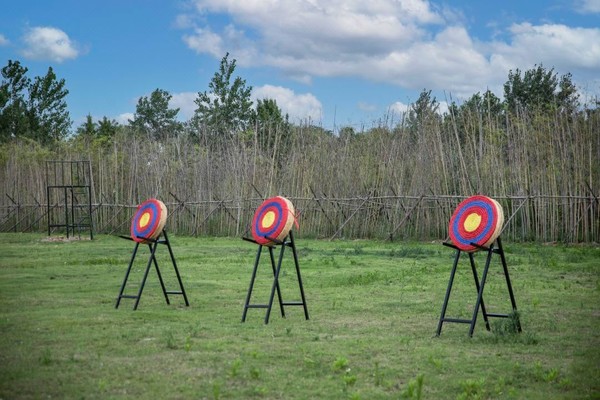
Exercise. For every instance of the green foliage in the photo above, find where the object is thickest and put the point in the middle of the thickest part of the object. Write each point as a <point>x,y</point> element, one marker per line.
<point>414,388</point>
<point>226,108</point>
<point>272,129</point>
<point>153,118</point>
<point>423,114</point>
<point>13,102</point>
<point>539,89</point>
<point>47,108</point>
<point>472,389</point>
<point>33,109</point>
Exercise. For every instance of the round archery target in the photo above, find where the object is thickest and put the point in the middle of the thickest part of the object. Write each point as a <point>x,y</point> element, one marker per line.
<point>273,219</point>
<point>477,219</point>
<point>148,221</point>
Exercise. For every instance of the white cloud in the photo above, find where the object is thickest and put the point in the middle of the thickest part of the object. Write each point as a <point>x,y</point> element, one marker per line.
<point>47,43</point>
<point>185,102</point>
<point>554,45</point>
<point>292,33</point>
<point>409,43</point>
<point>184,21</point>
<point>398,108</point>
<point>588,6</point>
<point>3,40</point>
<point>205,41</point>
<point>299,107</point>
<point>124,118</point>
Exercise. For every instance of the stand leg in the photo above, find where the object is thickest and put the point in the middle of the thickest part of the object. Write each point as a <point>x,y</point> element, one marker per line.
<point>510,289</point>
<point>293,246</point>
<point>126,275</point>
<point>247,304</point>
<point>480,292</point>
<point>275,287</point>
<point>450,282</point>
<point>139,295</point>
<point>187,303</point>
<point>160,279</point>
<point>485,316</point>
<point>277,283</point>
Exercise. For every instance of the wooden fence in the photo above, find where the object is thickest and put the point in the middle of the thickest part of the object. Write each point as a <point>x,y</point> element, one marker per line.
<point>568,219</point>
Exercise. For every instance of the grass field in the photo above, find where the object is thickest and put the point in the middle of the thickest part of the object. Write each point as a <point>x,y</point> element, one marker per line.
<point>374,308</point>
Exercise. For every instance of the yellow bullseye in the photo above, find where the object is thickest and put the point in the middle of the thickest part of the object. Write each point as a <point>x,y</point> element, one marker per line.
<point>472,222</point>
<point>268,219</point>
<point>144,219</point>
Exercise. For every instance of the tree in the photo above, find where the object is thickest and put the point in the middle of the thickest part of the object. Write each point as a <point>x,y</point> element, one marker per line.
<point>47,109</point>
<point>226,108</point>
<point>107,128</point>
<point>422,113</point>
<point>539,89</point>
<point>13,106</point>
<point>272,128</point>
<point>88,128</point>
<point>154,118</point>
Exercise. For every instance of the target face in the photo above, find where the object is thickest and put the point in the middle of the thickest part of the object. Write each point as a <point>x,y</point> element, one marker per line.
<point>148,221</point>
<point>273,219</point>
<point>478,220</point>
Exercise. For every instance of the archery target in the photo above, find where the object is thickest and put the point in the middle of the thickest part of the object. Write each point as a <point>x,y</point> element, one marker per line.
<point>477,219</point>
<point>273,219</point>
<point>148,221</point>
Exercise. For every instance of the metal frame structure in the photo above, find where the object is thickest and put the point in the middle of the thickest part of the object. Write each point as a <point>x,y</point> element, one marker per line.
<point>69,183</point>
<point>288,241</point>
<point>480,286</point>
<point>152,245</point>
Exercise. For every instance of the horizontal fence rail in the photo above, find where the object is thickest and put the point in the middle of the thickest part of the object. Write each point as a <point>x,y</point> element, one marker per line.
<point>568,219</point>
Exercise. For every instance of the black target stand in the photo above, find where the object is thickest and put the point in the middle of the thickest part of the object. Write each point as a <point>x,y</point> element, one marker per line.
<point>480,285</point>
<point>288,241</point>
<point>152,245</point>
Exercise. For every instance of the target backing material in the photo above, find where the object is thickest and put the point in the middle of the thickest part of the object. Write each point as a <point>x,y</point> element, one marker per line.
<point>148,221</point>
<point>273,219</point>
<point>477,219</point>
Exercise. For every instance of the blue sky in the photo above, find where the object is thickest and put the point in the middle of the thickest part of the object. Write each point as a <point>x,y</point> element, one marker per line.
<point>333,62</point>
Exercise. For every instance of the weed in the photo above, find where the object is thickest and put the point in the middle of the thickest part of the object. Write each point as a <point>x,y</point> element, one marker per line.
<point>378,375</point>
<point>170,340</point>
<point>340,363</point>
<point>46,357</point>
<point>436,362</point>
<point>551,375</point>
<point>349,379</point>
<point>235,367</point>
<point>472,389</point>
<point>565,383</point>
<point>255,372</point>
<point>216,389</point>
<point>414,388</point>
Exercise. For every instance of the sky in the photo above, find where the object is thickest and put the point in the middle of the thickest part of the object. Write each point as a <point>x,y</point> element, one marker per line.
<point>333,63</point>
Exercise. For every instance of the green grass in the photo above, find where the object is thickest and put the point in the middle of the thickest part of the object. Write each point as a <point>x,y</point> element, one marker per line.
<point>374,308</point>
